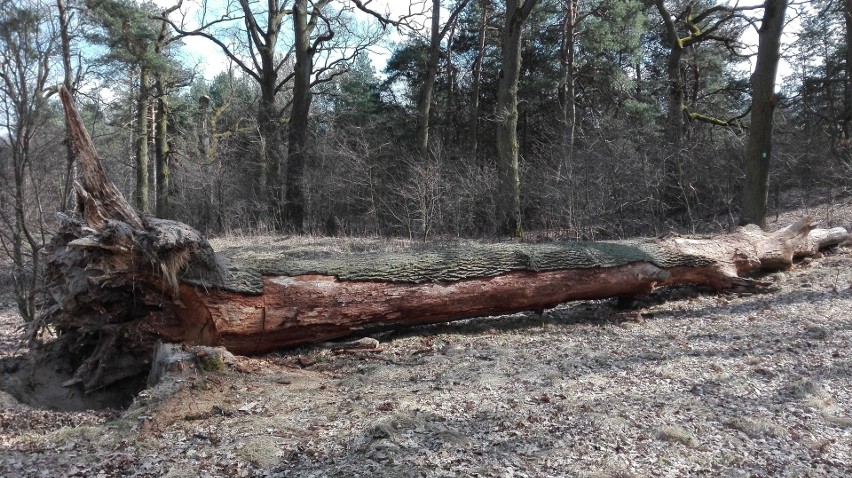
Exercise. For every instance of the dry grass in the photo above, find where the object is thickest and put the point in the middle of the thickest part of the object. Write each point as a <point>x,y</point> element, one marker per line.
<point>679,435</point>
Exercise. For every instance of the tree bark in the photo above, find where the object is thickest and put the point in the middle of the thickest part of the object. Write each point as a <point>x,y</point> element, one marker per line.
<point>450,130</point>
<point>508,198</point>
<point>203,151</point>
<point>759,146</point>
<point>262,37</point>
<point>68,199</point>
<point>162,153</point>
<point>424,101</point>
<point>477,82</point>
<point>270,160</point>
<point>118,283</point>
<point>567,89</point>
<point>314,301</point>
<point>142,106</point>
<point>671,191</point>
<point>847,96</point>
<point>297,134</point>
<point>304,24</point>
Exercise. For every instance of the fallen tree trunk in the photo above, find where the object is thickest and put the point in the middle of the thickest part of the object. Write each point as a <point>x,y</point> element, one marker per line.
<point>118,283</point>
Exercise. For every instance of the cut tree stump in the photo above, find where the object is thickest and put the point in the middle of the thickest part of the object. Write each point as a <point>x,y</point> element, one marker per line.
<point>118,283</point>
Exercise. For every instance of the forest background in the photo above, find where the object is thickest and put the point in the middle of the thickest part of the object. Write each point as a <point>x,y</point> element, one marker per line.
<point>631,117</point>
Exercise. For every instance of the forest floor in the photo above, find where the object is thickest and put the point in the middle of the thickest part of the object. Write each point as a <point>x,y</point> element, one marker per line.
<point>690,384</point>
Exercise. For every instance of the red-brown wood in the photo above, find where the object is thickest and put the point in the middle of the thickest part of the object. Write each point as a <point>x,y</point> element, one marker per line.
<point>315,308</point>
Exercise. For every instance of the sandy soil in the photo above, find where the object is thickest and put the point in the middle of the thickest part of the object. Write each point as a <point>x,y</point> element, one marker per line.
<point>697,385</point>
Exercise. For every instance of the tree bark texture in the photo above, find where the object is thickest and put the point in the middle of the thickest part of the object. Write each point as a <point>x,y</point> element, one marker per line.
<point>567,89</point>
<point>424,101</point>
<point>68,198</point>
<point>671,190</point>
<point>304,24</point>
<point>162,154</point>
<point>759,146</point>
<point>203,125</point>
<point>477,81</point>
<point>297,134</point>
<point>118,283</point>
<point>847,96</point>
<point>508,198</point>
<point>143,104</point>
<point>302,302</point>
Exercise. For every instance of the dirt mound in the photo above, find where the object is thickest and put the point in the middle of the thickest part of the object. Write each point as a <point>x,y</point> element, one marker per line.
<point>44,380</point>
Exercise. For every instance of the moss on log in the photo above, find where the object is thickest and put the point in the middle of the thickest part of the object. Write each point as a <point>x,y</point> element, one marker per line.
<point>460,263</point>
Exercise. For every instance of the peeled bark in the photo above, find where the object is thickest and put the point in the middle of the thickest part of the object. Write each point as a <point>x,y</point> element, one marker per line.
<point>118,283</point>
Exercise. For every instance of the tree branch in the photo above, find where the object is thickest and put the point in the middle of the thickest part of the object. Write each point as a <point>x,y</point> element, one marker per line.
<point>222,46</point>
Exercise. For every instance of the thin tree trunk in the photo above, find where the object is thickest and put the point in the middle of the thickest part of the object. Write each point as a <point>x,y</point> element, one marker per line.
<point>203,130</point>
<point>671,192</point>
<point>424,101</point>
<point>297,134</point>
<point>759,146</point>
<point>162,153</point>
<point>638,69</point>
<point>141,146</point>
<point>508,198</point>
<point>450,131</point>
<point>23,274</point>
<point>203,127</point>
<point>567,93</point>
<point>847,118</point>
<point>477,82</point>
<point>68,198</point>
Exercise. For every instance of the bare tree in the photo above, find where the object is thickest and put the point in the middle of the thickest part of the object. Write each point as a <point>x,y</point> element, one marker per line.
<point>424,102</point>
<point>567,87</point>
<point>485,6</point>
<point>28,42</point>
<point>509,193</point>
<point>304,26</point>
<point>257,33</point>
<point>699,27</point>
<point>70,81</point>
<point>759,147</point>
<point>847,114</point>
<point>163,80</point>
